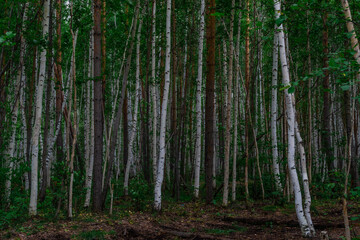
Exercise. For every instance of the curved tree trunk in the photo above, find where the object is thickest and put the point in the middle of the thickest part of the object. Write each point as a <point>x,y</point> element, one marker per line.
<point>290,112</point>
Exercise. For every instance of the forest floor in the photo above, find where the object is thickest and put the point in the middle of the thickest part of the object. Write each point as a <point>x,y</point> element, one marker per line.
<point>190,220</point>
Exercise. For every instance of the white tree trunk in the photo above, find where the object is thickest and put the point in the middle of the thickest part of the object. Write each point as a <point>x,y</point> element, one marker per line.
<point>290,112</point>
<point>351,29</point>
<point>72,82</point>
<point>89,171</point>
<point>133,125</point>
<point>162,145</point>
<point>274,115</point>
<point>228,111</point>
<point>37,123</point>
<point>198,101</point>
<point>305,179</point>
<point>153,91</point>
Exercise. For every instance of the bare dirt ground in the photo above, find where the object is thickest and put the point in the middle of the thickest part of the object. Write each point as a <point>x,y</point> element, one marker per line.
<point>192,220</point>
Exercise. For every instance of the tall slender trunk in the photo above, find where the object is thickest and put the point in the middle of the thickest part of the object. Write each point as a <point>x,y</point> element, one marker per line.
<point>228,109</point>
<point>45,160</point>
<point>247,103</point>
<point>198,101</point>
<point>162,146</point>
<point>274,114</point>
<point>236,109</point>
<point>290,112</point>
<point>153,91</point>
<point>73,146</point>
<point>326,116</point>
<point>98,110</point>
<point>37,123</point>
<point>89,131</point>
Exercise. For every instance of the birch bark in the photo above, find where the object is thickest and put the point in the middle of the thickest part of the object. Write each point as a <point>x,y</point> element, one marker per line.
<point>198,101</point>
<point>162,146</point>
<point>274,115</point>
<point>290,112</point>
<point>37,123</point>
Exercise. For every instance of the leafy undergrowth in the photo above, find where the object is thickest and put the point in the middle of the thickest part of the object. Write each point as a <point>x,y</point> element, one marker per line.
<point>189,220</point>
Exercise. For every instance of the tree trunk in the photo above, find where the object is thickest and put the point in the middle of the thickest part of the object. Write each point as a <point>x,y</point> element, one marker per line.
<point>98,110</point>
<point>228,110</point>
<point>325,133</point>
<point>198,101</point>
<point>45,160</point>
<point>131,159</point>
<point>290,112</point>
<point>274,114</point>
<point>89,138</point>
<point>37,122</point>
<point>162,146</point>
<point>247,103</point>
<point>153,92</point>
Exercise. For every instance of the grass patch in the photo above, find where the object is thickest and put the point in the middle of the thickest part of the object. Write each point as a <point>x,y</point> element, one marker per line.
<point>92,235</point>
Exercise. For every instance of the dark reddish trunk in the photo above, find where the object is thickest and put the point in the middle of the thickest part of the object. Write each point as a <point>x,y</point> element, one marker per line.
<point>325,133</point>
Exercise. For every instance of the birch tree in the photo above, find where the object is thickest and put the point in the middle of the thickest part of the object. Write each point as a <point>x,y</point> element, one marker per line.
<point>133,132</point>
<point>37,121</point>
<point>228,110</point>
<point>162,146</point>
<point>274,115</point>
<point>198,101</point>
<point>290,114</point>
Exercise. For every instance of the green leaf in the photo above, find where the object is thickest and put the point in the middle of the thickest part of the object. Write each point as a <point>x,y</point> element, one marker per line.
<point>285,87</point>
<point>291,89</point>
<point>217,14</point>
<point>280,20</point>
<point>345,87</point>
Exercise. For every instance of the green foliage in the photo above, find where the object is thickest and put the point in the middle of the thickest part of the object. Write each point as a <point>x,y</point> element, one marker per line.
<point>330,190</point>
<point>15,213</point>
<point>7,39</point>
<point>92,235</point>
<point>140,192</point>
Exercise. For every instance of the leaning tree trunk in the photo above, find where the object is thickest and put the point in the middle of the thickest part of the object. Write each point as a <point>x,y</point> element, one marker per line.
<point>133,132</point>
<point>290,112</point>
<point>162,146</point>
<point>198,101</point>
<point>37,122</point>
<point>356,49</point>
